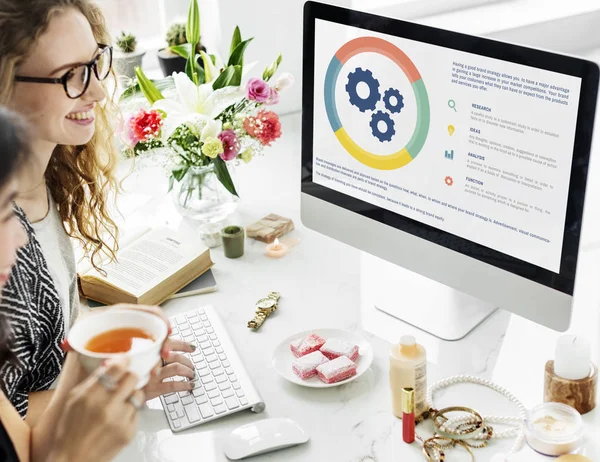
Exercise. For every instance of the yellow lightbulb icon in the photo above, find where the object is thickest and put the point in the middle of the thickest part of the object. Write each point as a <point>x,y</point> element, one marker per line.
<point>451,130</point>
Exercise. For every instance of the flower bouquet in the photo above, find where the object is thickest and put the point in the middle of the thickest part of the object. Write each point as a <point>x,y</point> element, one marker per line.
<point>205,121</point>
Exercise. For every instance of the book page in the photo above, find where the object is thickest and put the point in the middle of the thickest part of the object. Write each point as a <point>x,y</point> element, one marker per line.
<point>150,260</point>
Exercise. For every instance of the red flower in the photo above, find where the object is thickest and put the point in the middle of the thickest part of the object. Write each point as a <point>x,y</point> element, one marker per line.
<point>145,125</point>
<point>265,127</point>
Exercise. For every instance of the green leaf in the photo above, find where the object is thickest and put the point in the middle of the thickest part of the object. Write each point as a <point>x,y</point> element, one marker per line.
<point>160,84</point>
<point>192,30</point>
<point>179,173</point>
<point>150,91</point>
<point>182,50</point>
<point>190,70</point>
<point>225,78</point>
<point>235,40</point>
<point>199,71</point>
<point>171,183</point>
<point>223,175</point>
<point>207,66</point>
<point>236,80</point>
<point>237,56</point>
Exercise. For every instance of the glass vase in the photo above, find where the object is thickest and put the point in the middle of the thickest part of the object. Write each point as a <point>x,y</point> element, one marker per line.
<point>201,196</point>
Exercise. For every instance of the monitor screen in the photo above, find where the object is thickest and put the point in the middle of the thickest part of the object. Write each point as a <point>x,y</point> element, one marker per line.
<point>449,137</point>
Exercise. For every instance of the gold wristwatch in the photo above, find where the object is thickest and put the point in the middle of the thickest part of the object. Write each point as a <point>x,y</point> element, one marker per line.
<point>264,307</point>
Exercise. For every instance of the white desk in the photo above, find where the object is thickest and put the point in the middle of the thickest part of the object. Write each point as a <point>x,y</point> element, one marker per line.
<point>320,286</point>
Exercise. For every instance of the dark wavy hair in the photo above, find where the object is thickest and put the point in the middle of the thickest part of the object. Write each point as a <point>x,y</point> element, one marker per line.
<point>14,148</point>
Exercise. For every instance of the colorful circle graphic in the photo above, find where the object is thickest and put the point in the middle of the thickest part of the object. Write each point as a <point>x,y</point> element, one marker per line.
<point>417,140</point>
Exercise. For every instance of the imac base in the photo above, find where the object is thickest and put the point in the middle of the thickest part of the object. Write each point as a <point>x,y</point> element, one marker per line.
<point>420,302</point>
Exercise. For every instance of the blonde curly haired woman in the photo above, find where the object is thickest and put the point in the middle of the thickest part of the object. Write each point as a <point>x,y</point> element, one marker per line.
<point>55,60</point>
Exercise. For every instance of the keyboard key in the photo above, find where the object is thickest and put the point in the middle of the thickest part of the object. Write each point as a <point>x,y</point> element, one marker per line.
<point>224,386</point>
<point>228,393</point>
<point>243,401</point>
<point>213,337</point>
<point>170,407</point>
<point>171,399</point>
<point>210,386</point>
<point>209,351</point>
<point>210,330</point>
<point>218,372</point>
<point>202,399</point>
<point>221,379</point>
<point>206,324</point>
<point>192,413</point>
<point>176,423</point>
<point>216,401</point>
<point>220,409</point>
<point>213,394</point>
<point>185,332</point>
<point>198,360</point>
<point>219,349</point>
<point>233,378</point>
<point>180,319</point>
<point>191,315</point>
<point>240,394</point>
<point>203,372</point>
<point>216,343</point>
<point>222,356</point>
<point>189,338</point>
<point>214,365</point>
<point>232,403</point>
<point>205,345</point>
<point>179,409</point>
<point>197,353</point>
<point>229,370</point>
<point>204,317</point>
<point>226,363</point>
<point>203,338</point>
<point>173,415</point>
<point>206,380</point>
<point>236,386</point>
<point>199,392</point>
<point>187,400</point>
<point>211,358</point>
<point>206,410</point>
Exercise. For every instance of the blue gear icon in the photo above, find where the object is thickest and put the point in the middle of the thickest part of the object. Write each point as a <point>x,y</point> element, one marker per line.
<point>389,133</point>
<point>393,108</point>
<point>358,76</point>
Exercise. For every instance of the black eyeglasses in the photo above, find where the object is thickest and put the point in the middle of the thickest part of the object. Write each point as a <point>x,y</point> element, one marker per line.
<point>77,80</point>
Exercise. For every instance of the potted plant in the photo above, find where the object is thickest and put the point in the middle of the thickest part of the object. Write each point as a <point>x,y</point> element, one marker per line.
<point>126,58</point>
<point>173,57</point>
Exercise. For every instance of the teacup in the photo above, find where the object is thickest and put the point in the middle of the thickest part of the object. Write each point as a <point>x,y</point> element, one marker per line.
<point>141,361</point>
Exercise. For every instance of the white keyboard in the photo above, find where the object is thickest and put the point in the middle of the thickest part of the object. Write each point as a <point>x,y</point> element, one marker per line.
<point>222,385</point>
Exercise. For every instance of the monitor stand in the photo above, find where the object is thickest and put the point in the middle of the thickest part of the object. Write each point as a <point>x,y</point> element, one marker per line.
<point>420,302</point>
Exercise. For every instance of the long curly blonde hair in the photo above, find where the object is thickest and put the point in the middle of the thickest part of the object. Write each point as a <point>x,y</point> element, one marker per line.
<point>81,179</point>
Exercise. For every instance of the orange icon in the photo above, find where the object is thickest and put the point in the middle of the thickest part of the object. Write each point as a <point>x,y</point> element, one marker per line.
<point>449,181</point>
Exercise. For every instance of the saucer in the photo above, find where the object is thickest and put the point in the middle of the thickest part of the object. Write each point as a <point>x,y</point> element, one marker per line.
<point>283,358</point>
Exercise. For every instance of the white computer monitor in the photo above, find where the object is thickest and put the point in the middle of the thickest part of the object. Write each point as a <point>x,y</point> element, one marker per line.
<point>461,160</point>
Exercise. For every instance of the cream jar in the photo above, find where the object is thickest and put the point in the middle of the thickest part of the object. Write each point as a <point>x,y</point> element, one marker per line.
<point>554,429</point>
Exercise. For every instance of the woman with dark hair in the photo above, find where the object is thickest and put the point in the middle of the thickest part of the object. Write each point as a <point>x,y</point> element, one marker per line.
<point>86,419</point>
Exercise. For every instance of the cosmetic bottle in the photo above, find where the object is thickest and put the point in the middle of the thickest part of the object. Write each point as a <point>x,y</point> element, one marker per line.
<point>408,369</point>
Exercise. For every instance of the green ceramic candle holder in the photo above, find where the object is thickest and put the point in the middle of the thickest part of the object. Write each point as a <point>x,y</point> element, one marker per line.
<point>233,241</point>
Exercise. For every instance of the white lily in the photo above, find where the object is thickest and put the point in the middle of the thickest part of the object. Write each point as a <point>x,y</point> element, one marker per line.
<point>196,104</point>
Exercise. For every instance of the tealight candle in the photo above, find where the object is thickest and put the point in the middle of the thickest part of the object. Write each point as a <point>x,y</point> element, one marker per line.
<point>277,249</point>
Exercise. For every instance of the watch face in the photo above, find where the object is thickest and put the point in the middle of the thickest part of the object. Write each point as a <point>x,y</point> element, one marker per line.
<point>266,303</point>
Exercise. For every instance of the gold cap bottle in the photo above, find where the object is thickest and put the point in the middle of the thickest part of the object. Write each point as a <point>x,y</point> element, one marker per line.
<point>408,400</point>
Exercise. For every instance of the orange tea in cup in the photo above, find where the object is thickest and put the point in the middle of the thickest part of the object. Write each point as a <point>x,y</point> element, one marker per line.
<point>120,341</point>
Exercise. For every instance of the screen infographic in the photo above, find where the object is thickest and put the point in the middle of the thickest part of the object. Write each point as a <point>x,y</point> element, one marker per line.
<point>475,146</point>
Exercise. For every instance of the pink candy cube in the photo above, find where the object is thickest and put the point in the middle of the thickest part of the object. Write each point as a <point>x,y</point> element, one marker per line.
<point>336,370</point>
<point>335,348</point>
<point>306,345</point>
<point>306,366</point>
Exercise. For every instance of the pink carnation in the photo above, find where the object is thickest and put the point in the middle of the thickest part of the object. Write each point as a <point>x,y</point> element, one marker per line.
<point>231,145</point>
<point>144,125</point>
<point>258,90</point>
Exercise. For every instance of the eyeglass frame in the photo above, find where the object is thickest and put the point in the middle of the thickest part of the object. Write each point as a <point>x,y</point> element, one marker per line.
<point>91,65</point>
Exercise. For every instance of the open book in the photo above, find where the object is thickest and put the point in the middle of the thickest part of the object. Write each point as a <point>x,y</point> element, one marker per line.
<point>150,268</point>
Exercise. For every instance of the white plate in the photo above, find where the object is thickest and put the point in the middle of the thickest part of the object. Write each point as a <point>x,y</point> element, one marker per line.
<point>283,358</point>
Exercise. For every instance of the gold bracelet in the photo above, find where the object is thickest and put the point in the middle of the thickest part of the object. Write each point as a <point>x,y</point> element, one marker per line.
<point>477,427</point>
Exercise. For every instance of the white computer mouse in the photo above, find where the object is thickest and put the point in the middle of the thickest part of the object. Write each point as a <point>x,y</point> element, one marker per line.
<point>263,436</point>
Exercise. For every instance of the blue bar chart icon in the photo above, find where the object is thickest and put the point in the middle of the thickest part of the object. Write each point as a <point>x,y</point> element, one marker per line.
<point>449,154</point>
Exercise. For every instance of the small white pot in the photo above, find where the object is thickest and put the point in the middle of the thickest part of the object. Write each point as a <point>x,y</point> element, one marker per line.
<point>125,63</point>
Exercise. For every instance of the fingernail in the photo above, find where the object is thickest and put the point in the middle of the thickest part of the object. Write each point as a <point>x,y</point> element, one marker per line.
<point>193,347</point>
<point>191,386</point>
<point>64,345</point>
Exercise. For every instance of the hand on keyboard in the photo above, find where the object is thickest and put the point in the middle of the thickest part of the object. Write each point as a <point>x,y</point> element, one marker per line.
<point>176,365</point>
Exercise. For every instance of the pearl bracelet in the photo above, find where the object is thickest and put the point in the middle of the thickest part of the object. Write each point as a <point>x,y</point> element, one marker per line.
<point>453,423</point>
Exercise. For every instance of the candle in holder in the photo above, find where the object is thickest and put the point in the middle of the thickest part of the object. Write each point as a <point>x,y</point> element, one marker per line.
<point>233,241</point>
<point>277,249</point>
<point>572,359</point>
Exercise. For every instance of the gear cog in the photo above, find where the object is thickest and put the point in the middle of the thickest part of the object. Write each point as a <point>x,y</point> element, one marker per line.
<point>358,76</point>
<point>389,133</point>
<point>393,93</point>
